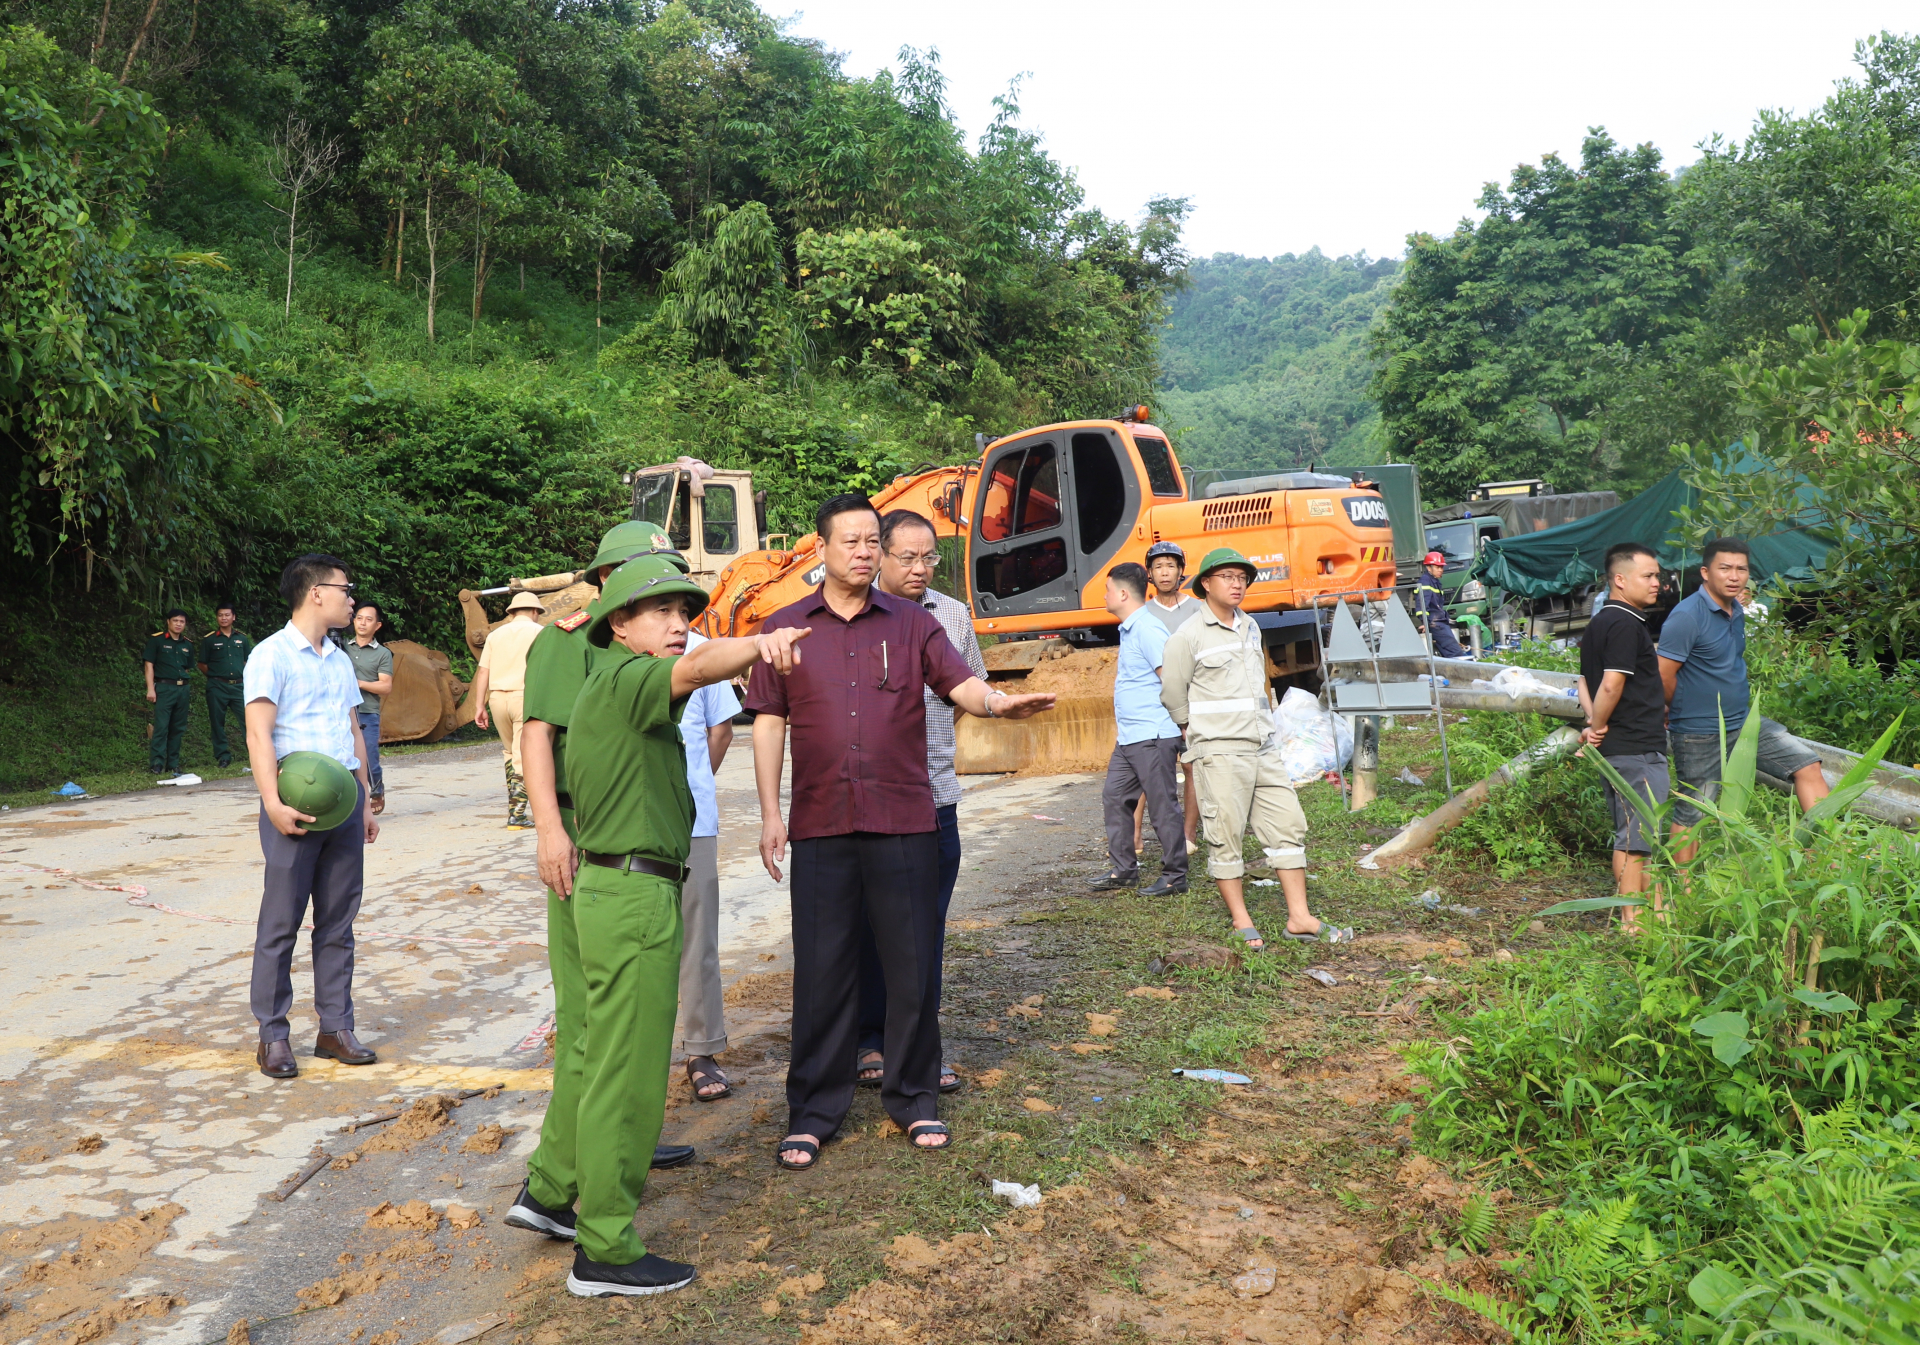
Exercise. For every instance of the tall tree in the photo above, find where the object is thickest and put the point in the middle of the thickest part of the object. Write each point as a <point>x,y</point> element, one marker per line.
<point>1537,342</point>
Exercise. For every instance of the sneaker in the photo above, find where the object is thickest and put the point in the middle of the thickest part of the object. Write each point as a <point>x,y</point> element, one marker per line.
<point>1164,886</point>
<point>649,1275</point>
<point>531,1215</point>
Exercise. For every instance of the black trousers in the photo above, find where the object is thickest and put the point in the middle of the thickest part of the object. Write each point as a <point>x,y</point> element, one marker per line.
<point>842,885</point>
<point>325,867</point>
<point>873,982</point>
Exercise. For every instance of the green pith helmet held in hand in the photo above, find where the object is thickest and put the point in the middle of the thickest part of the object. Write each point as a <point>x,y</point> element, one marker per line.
<point>1218,559</point>
<point>641,577</point>
<point>319,786</point>
<point>635,537</point>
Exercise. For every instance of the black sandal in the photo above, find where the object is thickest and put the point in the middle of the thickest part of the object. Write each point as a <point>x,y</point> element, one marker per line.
<point>812,1151</point>
<point>879,1062</point>
<point>919,1128</point>
<point>957,1084</point>
<point>698,1074</point>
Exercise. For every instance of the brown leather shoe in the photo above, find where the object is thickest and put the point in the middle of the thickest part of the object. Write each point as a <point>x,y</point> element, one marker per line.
<point>341,1046</point>
<point>275,1059</point>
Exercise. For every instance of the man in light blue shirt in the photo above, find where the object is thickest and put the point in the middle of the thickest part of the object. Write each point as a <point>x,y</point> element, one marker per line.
<point>1147,748</point>
<point>302,695</point>
<point>707,730</point>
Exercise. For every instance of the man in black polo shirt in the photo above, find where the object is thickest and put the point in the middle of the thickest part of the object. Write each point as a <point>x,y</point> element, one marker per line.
<point>1626,709</point>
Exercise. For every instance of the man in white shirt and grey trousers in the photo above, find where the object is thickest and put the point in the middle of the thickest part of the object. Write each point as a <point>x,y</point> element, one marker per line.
<point>303,695</point>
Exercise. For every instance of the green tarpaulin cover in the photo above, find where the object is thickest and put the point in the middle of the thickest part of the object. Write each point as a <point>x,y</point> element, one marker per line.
<point>1564,558</point>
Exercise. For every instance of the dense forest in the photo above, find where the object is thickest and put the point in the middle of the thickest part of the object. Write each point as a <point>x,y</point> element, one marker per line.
<point>415,282</point>
<point>1266,361</point>
<point>1589,319</point>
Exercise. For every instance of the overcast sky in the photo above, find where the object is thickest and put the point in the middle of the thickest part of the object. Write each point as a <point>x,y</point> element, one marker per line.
<point>1349,126</point>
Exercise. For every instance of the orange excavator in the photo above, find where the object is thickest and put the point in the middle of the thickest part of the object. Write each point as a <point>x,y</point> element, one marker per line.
<point>1030,529</point>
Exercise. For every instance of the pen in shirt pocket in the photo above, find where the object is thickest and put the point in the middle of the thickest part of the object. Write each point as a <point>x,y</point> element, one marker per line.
<point>885,671</point>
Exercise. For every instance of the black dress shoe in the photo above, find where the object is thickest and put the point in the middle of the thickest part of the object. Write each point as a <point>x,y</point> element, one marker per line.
<point>672,1156</point>
<point>649,1275</point>
<point>1164,886</point>
<point>1111,882</point>
<point>276,1059</point>
<point>530,1214</point>
<point>341,1046</point>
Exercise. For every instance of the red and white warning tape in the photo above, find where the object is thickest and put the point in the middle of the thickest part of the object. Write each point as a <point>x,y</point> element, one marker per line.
<point>137,896</point>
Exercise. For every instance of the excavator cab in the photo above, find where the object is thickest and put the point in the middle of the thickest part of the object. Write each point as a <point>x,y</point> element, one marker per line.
<point>1053,508</point>
<point>713,515</point>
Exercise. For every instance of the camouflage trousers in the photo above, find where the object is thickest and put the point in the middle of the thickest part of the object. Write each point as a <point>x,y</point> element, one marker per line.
<point>519,812</point>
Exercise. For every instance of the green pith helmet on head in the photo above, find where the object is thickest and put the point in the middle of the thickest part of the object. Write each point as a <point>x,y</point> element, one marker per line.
<point>635,537</point>
<point>319,786</point>
<point>646,576</point>
<point>1219,559</point>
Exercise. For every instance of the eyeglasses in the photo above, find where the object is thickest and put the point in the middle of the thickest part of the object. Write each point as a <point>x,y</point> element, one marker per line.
<point>346,588</point>
<point>930,561</point>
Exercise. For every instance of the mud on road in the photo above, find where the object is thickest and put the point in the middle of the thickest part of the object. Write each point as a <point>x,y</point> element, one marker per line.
<point>142,1153</point>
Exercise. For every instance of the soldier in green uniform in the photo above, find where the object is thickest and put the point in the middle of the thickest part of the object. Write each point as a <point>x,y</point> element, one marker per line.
<point>557,666</point>
<point>223,661</point>
<point>169,662</point>
<point>634,812</point>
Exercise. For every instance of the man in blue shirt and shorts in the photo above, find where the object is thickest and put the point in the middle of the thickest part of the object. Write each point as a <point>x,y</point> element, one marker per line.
<point>1147,750</point>
<point>1703,668</point>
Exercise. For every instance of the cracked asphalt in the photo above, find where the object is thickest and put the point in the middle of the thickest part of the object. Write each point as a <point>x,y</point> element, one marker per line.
<point>139,1146</point>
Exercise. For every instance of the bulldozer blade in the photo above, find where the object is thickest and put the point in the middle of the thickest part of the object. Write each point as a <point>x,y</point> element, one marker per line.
<point>1076,735</point>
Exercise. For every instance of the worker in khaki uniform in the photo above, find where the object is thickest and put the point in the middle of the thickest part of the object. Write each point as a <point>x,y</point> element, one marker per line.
<point>1213,681</point>
<point>634,812</point>
<point>558,662</point>
<point>223,662</point>
<point>169,663</point>
<point>499,689</point>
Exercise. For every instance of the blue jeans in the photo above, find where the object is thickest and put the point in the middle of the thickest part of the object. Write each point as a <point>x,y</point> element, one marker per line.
<point>873,985</point>
<point>370,732</point>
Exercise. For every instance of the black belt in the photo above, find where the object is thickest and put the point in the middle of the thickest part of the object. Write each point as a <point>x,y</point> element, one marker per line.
<point>638,864</point>
<point>223,679</point>
<point>173,681</point>
<point>564,800</point>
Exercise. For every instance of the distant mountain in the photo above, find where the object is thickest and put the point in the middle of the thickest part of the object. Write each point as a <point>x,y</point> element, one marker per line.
<point>1265,361</point>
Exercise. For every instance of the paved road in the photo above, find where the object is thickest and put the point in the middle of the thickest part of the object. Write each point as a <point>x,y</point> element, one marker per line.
<point>127,1081</point>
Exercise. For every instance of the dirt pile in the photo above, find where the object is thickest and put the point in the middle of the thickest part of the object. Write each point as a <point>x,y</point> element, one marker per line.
<point>486,1140</point>
<point>1084,673</point>
<point>81,1284</point>
<point>412,1214</point>
<point>337,1287</point>
<point>425,1118</point>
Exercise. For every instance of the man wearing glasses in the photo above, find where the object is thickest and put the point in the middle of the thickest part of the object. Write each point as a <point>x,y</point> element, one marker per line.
<point>303,696</point>
<point>909,558</point>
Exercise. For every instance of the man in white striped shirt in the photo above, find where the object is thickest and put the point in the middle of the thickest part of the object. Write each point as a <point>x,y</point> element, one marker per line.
<point>909,556</point>
<point>303,695</point>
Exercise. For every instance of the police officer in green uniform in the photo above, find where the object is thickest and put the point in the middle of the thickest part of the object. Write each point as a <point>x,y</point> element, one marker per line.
<point>223,661</point>
<point>169,662</point>
<point>557,666</point>
<point>626,765</point>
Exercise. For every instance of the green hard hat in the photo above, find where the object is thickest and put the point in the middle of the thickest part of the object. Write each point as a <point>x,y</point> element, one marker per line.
<point>642,577</point>
<point>319,786</point>
<point>1218,559</point>
<point>635,537</point>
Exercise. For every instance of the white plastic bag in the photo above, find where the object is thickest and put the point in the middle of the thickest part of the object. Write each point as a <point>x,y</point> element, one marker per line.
<point>1016,1195</point>
<point>1312,741</point>
<point>1522,682</point>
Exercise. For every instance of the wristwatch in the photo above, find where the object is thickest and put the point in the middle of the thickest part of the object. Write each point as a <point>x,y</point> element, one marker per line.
<point>991,712</point>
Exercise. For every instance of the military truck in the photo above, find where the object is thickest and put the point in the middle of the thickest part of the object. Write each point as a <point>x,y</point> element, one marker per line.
<point>1499,509</point>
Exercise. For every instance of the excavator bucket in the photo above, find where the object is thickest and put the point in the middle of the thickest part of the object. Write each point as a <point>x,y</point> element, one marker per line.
<point>425,704</point>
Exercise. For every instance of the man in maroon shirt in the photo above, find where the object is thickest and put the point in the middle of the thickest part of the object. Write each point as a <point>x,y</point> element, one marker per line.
<point>865,844</point>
